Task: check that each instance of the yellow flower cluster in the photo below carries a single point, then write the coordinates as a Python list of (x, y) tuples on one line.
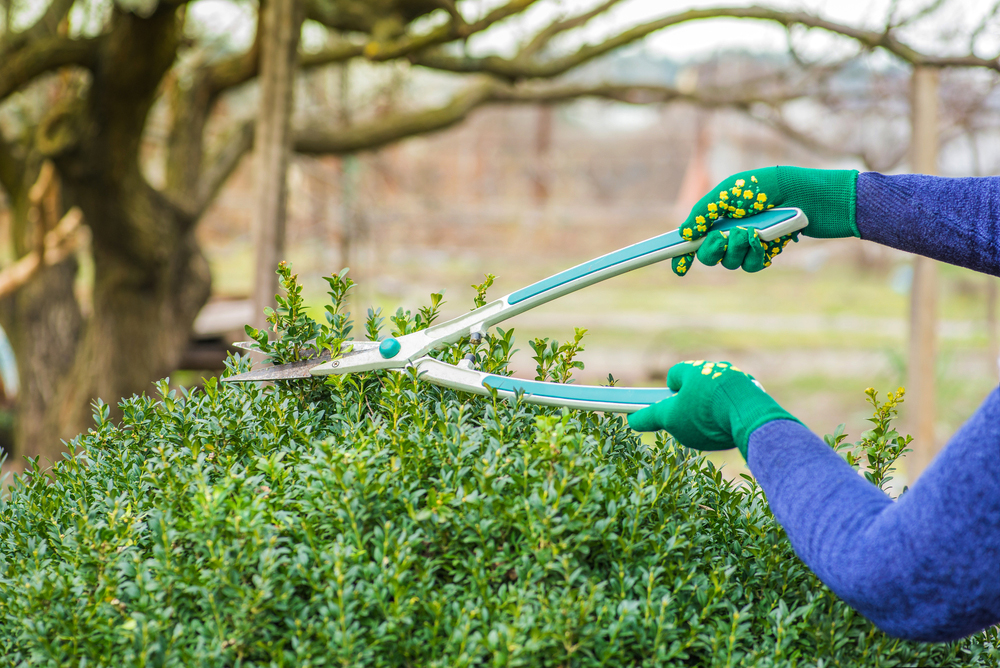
[(773, 248), (745, 197), (715, 369)]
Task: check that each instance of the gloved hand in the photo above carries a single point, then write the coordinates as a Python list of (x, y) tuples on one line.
[(716, 407), (827, 197)]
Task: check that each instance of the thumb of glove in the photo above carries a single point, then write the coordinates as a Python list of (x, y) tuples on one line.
[(646, 419)]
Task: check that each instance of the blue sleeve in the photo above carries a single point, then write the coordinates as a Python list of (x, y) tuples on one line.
[(924, 567), (953, 220)]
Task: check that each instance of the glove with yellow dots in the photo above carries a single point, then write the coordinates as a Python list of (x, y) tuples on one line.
[(716, 407), (826, 196)]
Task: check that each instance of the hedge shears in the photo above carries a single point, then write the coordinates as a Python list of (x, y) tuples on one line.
[(410, 350)]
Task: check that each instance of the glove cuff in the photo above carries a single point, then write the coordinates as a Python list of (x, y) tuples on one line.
[(828, 197), (751, 408)]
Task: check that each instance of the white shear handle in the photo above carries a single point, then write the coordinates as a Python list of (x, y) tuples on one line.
[(582, 397)]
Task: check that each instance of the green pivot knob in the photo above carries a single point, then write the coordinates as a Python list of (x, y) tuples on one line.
[(388, 348)]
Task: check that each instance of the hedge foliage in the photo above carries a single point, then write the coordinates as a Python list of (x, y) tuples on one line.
[(375, 520)]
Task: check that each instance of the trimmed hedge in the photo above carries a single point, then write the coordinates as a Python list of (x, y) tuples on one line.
[(377, 520)]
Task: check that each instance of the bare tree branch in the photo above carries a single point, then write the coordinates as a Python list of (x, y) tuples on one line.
[(242, 68), (341, 16), (542, 38), (926, 10), (777, 121), (377, 133), (225, 163), (457, 20), (524, 68), (979, 29), (393, 127), (409, 44), (46, 25), (11, 169), (44, 55)]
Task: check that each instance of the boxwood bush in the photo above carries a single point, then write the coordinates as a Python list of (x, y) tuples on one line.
[(377, 520)]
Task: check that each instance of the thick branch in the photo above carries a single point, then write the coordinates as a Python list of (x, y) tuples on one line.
[(189, 107), (241, 69), (523, 68), (222, 167), (11, 169), (46, 25), (41, 56), (392, 128), (341, 16), (375, 134)]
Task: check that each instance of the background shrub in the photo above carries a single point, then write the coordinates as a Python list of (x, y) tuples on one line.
[(373, 519)]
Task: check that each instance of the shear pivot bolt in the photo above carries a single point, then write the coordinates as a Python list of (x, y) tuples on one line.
[(389, 348)]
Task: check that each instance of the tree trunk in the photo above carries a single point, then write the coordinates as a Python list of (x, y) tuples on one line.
[(44, 333), (141, 323), (150, 279)]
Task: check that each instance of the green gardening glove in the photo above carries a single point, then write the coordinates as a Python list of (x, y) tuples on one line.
[(716, 407), (827, 197)]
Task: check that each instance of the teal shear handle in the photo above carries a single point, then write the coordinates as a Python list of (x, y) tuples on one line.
[(410, 350), (771, 224), (397, 352), (583, 397)]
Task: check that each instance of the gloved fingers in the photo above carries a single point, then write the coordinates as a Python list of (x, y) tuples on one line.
[(682, 264), (773, 248), (737, 249), (681, 371), (648, 418), (696, 224), (756, 256), (714, 247), (695, 227)]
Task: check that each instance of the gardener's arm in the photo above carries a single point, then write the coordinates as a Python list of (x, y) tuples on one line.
[(925, 567), (952, 220)]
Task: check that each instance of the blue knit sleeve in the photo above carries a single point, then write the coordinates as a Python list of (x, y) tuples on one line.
[(952, 220), (924, 567)]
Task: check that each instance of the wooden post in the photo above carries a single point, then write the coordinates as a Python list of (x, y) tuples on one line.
[(281, 26), (923, 295)]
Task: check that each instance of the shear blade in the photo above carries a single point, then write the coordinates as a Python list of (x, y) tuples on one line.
[(289, 371)]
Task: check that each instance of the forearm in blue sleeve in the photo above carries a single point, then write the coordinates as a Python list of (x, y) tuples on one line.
[(953, 220), (924, 567)]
